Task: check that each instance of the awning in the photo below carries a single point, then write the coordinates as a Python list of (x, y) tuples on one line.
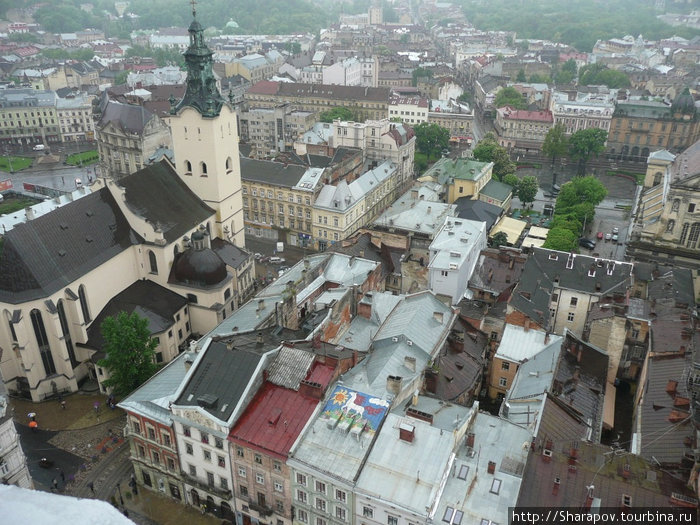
[(511, 227)]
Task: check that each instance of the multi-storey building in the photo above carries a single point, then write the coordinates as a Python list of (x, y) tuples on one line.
[(278, 200), (411, 110), (347, 72), (255, 67), (366, 102), (28, 117), (379, 140), (339, 211), (457, 118), (521, 129), (577, 111), (127, 135), (13, 464), (273, 130), (369, 75), (75, 118), (149, 429), (639, 127)]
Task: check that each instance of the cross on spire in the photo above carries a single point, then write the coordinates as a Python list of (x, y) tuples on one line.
[(194, 9)]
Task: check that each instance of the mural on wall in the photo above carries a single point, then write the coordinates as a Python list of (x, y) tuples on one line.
[(357, 408)]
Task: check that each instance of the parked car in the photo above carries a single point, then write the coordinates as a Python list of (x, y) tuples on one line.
[(258, 256), (608, 236), (614, 237), (586, 243), (616, 230), (599, 235), (276, 260)]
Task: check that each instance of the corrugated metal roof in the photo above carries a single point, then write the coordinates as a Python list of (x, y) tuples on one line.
[(518, 344), (289, 367)]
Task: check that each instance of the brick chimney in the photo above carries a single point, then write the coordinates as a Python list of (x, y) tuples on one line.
[(492, 467)]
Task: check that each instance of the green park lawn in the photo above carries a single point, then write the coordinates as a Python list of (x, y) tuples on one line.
[(18, 163), (85, 158)]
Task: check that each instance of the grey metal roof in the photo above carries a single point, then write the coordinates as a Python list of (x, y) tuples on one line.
[(290, 367), (249, 317), (231, 254), (518, 344), (409, 474), (495, 440), (152, 399), (222, 375), (131, 118), (157, 194), (416, 212), (477, 210), (496, 190), (269, 172), (50, 252)]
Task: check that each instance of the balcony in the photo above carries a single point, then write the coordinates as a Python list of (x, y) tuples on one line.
[(262, 510), (203, 485)]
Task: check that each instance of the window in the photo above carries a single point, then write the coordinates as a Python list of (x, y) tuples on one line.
[(320, 487), (302, 516), (171, 463), (368, 512), (463, 471), (340, 513), (136, 427), (555, 297), (320, 521), (259, 478), (223, 482), (505, 365), (279, 486), (258, 459), (447, 517), (320, 504), (502, 382), (186, 430), (142, 451), (301, 496), (207, 455), (691, 208), (221, 461), (156, 458), (241, 472), (243, 490), (219, 443), (205, 437), (239, 452), (188, 449), (495, 486), (392, 520), (574, 301), (152, 262), (43, 342), (301, 479), (277, 466), (444, 273), (210, 479), (570, 317), (341, 495), (193, 470), (151, 433)]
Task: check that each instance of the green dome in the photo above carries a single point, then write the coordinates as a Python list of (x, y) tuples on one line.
[(684, 103), (232, 24)]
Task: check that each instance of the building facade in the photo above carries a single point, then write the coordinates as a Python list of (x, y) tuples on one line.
[(522, 130), (28, 117), (273, 130)]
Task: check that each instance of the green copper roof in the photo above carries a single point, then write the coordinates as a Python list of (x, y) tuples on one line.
[(466, 169), (201, 92)]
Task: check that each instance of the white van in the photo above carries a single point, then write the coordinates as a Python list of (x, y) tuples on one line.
[(39, 147), (276, 260)]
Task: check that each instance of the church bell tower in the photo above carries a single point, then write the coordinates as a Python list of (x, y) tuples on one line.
[(205, 140)]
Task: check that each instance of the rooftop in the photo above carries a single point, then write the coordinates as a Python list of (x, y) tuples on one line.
[(446, 169), (454, 241)]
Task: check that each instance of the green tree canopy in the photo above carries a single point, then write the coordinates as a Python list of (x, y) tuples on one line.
[(512, 180), (418, 73), (488, 150), (555, 142), (527, 189), (585, 143), (341, 113), (599, 74), (431, 139), (499, 239), (581, 190), (521, 76), (567, 222), (561, 239), (509, 96), (130, 352)]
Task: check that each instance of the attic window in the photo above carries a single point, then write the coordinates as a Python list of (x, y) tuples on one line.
[(63, 226), (463, 471), (89, 213), (591, 272), (495, 486)]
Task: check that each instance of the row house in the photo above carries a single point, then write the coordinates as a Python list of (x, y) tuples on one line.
[(75, 118), (640, 127), (278, 200), (273, 130), (379, 140), (29, 117), (521, 129), (455, 117), (347, 72), (410, 110), (577, 111), (339, 211), (366, 102)]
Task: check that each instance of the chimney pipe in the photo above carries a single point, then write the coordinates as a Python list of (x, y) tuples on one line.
[(492, 467), (470, 439)]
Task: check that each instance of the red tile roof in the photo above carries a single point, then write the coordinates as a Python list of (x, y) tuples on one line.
[(265, 87), (276, 415), (522, 114)]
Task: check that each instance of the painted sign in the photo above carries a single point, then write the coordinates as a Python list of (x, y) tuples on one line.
[(345, 403), (5, 184)]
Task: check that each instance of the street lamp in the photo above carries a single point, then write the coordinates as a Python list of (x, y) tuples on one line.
[(119, 488)]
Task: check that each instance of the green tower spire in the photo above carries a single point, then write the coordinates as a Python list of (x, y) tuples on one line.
[(200, 92)]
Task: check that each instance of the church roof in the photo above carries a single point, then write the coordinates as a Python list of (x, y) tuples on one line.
[(43, 255), (157, 194)]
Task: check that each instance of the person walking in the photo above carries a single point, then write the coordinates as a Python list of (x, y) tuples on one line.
[(54, 484), (63, 476), (91, 486)]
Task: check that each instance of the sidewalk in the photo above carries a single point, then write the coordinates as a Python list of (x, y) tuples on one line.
[(79, 412), (162, 509)]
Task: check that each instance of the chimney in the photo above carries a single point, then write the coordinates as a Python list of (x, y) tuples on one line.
[(546, 338), (671, 387), (555, 486), (29, 212), (410, 363), (414, 194), (407, 432), (429, 209), (526, 326), (393, 384), (438, 316), (261, 304), (492, 467), (259, 338), (470, 439), (311, 389), (188, 362), (414, 398)]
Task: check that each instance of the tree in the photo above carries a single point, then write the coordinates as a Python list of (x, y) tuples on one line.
[(600, 74), (581, 190), (120, 78), (527, 189), (539, 79), (341, 113), (561, 239), (509, 96), (130, 352), (418, 73), (512, 180), (499, 239), (488, 150), (466, 97), (555, 143), (587, 142), (570, 67), (431, 139), (521, 76)]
